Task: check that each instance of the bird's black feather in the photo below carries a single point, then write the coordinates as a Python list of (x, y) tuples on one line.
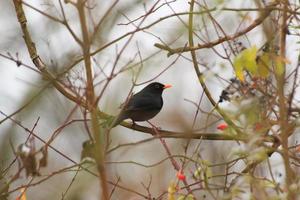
[(144, 105)]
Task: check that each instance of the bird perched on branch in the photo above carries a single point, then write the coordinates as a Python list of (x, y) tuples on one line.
[(144, 105)]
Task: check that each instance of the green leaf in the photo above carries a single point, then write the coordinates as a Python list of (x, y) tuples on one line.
[(258, 155), (251, 112), (268, 184), (197, 173), (205, 162), (4, 188), (240, 153)]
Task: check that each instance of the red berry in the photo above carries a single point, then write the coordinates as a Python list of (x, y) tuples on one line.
[(222, 126), (180, 175)]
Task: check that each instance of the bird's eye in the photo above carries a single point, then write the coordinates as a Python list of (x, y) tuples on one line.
[(156, 86)]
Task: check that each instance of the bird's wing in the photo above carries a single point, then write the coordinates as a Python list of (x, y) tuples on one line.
[(143, 102)]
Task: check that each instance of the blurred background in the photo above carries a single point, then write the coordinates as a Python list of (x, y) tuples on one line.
[(139, 163)]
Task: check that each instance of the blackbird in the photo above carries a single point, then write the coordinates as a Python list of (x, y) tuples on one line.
[(144, 105)]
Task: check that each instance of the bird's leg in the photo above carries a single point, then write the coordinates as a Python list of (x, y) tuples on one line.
[(133, 123)]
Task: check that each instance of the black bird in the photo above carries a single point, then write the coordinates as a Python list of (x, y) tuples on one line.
[(144, 105)]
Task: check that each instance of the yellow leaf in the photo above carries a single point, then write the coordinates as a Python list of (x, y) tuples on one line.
[(249, 58), (279, 67), (171, 191), (238, 68), (264, 63), (279, 64), (246, 60), (184, 197)]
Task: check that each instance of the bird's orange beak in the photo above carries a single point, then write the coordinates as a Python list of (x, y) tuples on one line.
[(167, 86)]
